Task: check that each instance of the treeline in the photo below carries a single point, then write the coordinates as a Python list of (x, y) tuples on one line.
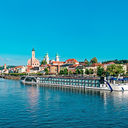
[(77, 72), (112, 70), (117, 61)]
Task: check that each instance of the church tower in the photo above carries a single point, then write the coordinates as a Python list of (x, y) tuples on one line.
[(33, 54), (5, 67), (33, 61), (47, 58), (57, 57)]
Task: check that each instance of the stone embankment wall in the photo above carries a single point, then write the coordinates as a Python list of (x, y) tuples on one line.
[(12, 77)]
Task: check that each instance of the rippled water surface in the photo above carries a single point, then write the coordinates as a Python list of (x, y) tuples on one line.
[(42, 107)]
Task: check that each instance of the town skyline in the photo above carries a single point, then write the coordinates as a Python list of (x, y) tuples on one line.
[(10, 61), (69, 66)]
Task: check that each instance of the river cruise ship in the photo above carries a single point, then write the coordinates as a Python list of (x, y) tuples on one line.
[(78, 82)]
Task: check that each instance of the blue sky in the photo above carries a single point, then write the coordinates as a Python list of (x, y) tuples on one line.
[(72, 28)]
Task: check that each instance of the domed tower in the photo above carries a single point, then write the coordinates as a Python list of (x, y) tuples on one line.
[(47, 58), (57, 57)]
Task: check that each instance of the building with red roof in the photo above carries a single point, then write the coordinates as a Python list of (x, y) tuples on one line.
[(57, 63), (72, 61)]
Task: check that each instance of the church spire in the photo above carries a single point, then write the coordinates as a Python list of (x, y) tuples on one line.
[(47, 58), (57, 57), (33, 49), (33, 53)]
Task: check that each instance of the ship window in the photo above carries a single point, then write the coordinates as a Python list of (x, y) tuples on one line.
[(97, 81), (90, 85), (80, 80), (98, 85), (90, 81), (86, 81), (94, 85), (93, 81)]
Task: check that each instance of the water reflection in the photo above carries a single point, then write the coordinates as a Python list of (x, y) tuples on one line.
[(33, 97), (40, 106), (114, 97)]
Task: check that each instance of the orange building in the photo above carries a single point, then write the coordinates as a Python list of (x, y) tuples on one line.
[(72, 61)]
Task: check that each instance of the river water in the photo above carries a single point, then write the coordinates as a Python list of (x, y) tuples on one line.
[(42, 107)]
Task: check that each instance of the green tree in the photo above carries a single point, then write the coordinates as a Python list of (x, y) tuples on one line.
[(65, 71), (100, 71), (46, 71), (86, 61), (43, 62), (115, 69), (81, 71), (91, 71), (94, 60), (126, 74), (117, 61), (61, 72), (77, 71), (70, 72), (87, 71)]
